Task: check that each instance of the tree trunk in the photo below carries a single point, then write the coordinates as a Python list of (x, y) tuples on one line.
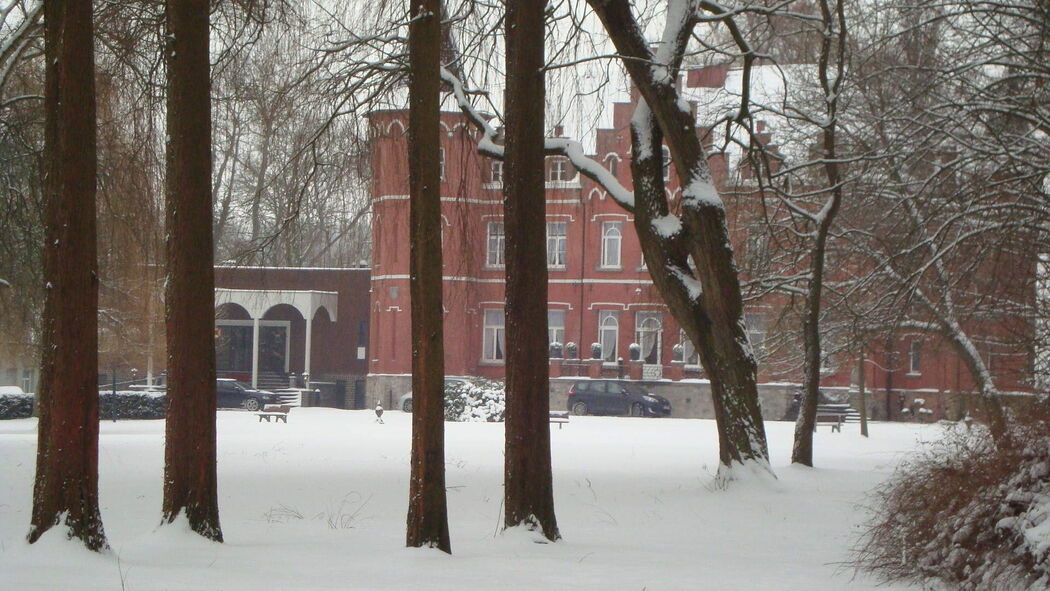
[(189, 453), (862, 386), (66, 485), (706, 302), (831, 69), (427, 510), (802, 451), (528, 488)]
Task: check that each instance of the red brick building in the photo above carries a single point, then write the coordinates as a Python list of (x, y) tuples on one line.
[(599, 289)]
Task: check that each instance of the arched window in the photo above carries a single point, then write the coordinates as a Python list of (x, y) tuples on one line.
[(648, 330), (494, 335), (666, 153), (689, 354), (608, 334), (612, 238), (612, 160)]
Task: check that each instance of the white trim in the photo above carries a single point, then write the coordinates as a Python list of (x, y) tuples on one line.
[(466, 200), (497, 280), (610, 305), (598, 216), (259, 301)]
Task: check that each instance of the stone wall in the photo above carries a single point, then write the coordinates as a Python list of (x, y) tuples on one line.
[(690, 399)]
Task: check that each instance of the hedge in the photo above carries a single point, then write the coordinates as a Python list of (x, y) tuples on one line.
[(122, 405), (16, 406)]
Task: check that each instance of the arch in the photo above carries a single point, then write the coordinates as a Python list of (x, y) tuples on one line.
[(596, 192), (400, 126), (231, 311), (649, 335)]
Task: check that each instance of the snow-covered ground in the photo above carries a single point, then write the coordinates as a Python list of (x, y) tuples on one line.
[(320, 503)]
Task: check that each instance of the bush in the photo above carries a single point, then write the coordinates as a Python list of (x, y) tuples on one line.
[(968, 513), (16, 406), (477, 401), (125, 404), (129, 404)]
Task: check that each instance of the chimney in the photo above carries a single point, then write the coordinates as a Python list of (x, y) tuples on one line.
[(709, 77)]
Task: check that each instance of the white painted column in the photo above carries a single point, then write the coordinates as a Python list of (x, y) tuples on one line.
[(309, 341), (255, 352)]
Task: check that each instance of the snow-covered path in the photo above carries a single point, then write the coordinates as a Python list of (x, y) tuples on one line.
[(320, 503)]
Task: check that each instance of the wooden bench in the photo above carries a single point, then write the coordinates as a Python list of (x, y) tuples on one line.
[(278, 412), (559, 416), (831, 414)]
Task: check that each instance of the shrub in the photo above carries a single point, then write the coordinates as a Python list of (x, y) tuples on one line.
[(968, 513), (477, 401), (16, 406), (128, 404), (125, 404)]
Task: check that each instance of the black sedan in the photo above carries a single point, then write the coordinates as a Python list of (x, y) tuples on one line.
[(233, 394), (615, 397)]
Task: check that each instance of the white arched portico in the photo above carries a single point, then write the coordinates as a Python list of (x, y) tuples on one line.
[(258, 301)]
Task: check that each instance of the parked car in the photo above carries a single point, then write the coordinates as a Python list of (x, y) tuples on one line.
[(615, 397), (233, 394), (405, 402)]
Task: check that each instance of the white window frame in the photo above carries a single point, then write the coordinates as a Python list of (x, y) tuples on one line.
[(496, 172), (915, 358), (649, 325), (441, 162), (494, 336), (612, 244), (609, 332), (755, 323), (556, 326), (688, 350), (557, 244), (559, 170), (495, 245), (666, 154)]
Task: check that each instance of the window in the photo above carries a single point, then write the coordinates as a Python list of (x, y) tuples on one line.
[(441, 162), (666, 162), (756, 330), (612, 159), (612, 236), (556, 244), (559, 170), (915, 357), (497, 172), (496, 241), (648, 329), (609, 334), (556, 326), (689, 354), (494, 337)]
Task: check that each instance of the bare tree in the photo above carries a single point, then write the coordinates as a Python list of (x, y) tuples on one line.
[(190, 481), (66, 488), (528, 487), (427, 509)]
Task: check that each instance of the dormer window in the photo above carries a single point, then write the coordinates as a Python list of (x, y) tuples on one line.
[(559, 171)]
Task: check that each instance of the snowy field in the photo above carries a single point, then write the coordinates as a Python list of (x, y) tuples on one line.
[(320, 503)]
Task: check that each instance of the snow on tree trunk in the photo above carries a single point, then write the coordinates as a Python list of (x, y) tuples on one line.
[(65, 491), (190, 483), (528, 488), (706, 302), (427, 509)]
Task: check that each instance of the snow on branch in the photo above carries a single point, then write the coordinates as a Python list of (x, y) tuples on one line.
[(571, 149)]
